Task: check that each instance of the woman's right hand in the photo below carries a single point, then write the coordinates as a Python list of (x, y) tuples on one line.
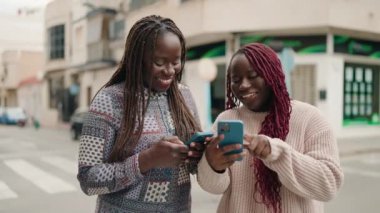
[(168, 152), (216, 156)]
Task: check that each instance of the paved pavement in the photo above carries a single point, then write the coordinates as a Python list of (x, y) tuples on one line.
[(51, 151), (359, 145)]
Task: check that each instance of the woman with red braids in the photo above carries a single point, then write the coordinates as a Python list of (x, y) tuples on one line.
[(291, 163)]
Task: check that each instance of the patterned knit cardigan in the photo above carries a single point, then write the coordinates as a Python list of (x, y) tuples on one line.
[(120, 186)]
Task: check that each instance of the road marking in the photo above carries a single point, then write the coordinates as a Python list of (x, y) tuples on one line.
[(6, 192), (361, 172), (68, 166), (43, 180)]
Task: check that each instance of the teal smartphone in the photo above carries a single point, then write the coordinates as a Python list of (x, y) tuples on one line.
[(233, 133), (199, 137)]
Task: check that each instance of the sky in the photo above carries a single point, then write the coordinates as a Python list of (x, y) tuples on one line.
[(11, 7), (25, 30)]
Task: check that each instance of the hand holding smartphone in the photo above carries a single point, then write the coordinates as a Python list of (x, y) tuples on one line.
[(233, 133), (199, 137)]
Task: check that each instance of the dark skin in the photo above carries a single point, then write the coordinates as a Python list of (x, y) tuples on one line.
[(162, 67), (216, 156), (251, 90), (164, 64)]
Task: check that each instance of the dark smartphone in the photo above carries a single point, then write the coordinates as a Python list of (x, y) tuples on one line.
[(233, 133), (199, 137)]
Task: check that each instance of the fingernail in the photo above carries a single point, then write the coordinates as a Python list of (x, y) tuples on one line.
[(192, 144), (190, 153)]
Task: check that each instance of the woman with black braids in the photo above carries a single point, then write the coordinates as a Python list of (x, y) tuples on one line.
[(131, 152), (291, 162)]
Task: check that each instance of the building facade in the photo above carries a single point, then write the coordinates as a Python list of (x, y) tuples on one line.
[(58, 52), (330, 51), (82, 47), (18, 65)]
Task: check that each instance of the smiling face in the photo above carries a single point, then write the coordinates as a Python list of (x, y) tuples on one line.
[(247, 86), (164, 63)]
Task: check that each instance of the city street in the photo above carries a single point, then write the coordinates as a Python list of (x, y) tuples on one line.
[(38, 175)]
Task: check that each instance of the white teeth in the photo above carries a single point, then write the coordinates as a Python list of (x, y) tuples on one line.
[(165, 81), (248, 95)]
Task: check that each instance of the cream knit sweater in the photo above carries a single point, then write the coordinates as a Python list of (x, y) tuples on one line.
[(307, 164)]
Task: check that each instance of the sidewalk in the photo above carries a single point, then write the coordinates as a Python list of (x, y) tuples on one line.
[(354, 140), (359, 145)]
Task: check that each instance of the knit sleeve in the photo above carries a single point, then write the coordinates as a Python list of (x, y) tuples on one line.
[(95, 175), (208, 179), (315, 173), (211, 181)]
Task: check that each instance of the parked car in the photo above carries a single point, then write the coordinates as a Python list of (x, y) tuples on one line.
[(76, 122), (13, 116)]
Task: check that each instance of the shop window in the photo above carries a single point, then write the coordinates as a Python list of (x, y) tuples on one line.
[(361, 94), (212, 50)]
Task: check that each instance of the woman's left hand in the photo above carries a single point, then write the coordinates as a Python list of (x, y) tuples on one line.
[(257, 145)]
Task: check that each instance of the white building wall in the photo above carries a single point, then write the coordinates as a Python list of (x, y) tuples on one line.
[(95, 80), (79, 33), (49, 116), (79, 48), (362, 15), (216, 16), (30, 98), (200, 90)]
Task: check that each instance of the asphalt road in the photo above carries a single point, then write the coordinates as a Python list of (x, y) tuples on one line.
[(38, 175)]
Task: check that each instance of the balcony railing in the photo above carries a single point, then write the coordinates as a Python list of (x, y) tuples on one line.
[(99, 51)]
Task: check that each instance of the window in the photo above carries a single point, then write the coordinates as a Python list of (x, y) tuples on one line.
[(57, 42), (117, 29), (361, 94)]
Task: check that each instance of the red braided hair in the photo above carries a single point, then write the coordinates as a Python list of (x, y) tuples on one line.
[(276, 124)]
